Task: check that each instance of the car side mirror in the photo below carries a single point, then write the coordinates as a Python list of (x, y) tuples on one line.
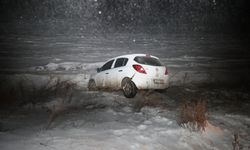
[(98, 69)]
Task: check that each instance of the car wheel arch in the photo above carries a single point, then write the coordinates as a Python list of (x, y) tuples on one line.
[(124, 79)]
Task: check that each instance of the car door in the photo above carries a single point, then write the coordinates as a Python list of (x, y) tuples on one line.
[(103, 77), (118, 72)]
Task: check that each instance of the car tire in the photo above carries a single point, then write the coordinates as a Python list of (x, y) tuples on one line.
[(92, 85), (129, 88)]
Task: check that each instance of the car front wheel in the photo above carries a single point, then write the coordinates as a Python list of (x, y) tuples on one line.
[(92, 85), (129, 88)]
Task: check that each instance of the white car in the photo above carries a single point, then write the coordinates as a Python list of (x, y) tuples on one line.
[(130, 73)]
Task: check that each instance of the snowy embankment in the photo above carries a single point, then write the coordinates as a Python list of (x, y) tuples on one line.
[(106, 120), (100, 120)]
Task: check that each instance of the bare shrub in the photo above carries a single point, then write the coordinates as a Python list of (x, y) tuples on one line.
[(193, 116), (12, 95), (26, 91), (8, 97), (185, 78), (146, 98), (236, 142), (55, 110), (54, 87), (63, 91), (61, 87)]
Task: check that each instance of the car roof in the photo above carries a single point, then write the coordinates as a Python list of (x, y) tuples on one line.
[(132, 56)]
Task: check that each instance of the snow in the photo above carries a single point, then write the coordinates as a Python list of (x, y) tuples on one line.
[(107, 120), (67, 66)]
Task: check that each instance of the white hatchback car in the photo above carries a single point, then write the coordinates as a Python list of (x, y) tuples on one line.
[(130, 73)]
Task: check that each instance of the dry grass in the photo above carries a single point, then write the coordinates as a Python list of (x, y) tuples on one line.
[(193, 116), (55, 93), (236, 143), (147, 98), (25, 91)]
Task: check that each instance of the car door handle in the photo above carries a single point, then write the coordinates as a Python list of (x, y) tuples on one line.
[(106, 73), (119, 70)]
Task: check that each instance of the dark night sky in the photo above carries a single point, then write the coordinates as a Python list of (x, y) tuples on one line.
[(178, 15)]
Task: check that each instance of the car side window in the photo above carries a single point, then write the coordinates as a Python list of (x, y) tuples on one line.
[(107, 66), (121, 62)]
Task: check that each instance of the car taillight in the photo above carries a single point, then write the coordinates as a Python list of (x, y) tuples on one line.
[(139, 68), (166, 71)]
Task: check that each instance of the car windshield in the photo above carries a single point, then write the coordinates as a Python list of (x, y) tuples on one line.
[(148, 61)]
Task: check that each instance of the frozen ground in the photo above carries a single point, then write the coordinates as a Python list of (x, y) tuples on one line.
[(106, 120)]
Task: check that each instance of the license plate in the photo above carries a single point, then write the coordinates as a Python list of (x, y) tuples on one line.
[(158, 81)]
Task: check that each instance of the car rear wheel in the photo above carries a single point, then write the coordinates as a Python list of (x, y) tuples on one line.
[(92, 85), (129, 88)]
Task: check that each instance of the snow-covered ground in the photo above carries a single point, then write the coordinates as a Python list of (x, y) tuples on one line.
[(107, 120)]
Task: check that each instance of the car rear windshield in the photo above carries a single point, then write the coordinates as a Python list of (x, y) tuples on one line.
[(148, 61)]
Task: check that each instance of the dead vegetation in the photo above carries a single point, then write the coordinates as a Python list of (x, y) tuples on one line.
[(26, 91), (56, 110), (193, 115), (236, 142), (147, 98)]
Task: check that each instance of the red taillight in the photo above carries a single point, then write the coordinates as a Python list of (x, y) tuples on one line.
[(166, 71), (139, 68)]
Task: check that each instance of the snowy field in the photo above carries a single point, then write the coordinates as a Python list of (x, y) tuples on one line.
[(106, 120)]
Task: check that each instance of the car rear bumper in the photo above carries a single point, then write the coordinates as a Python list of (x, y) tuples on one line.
[(143, 82)]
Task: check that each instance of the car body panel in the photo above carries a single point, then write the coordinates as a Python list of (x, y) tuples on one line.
[(154, 78)]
